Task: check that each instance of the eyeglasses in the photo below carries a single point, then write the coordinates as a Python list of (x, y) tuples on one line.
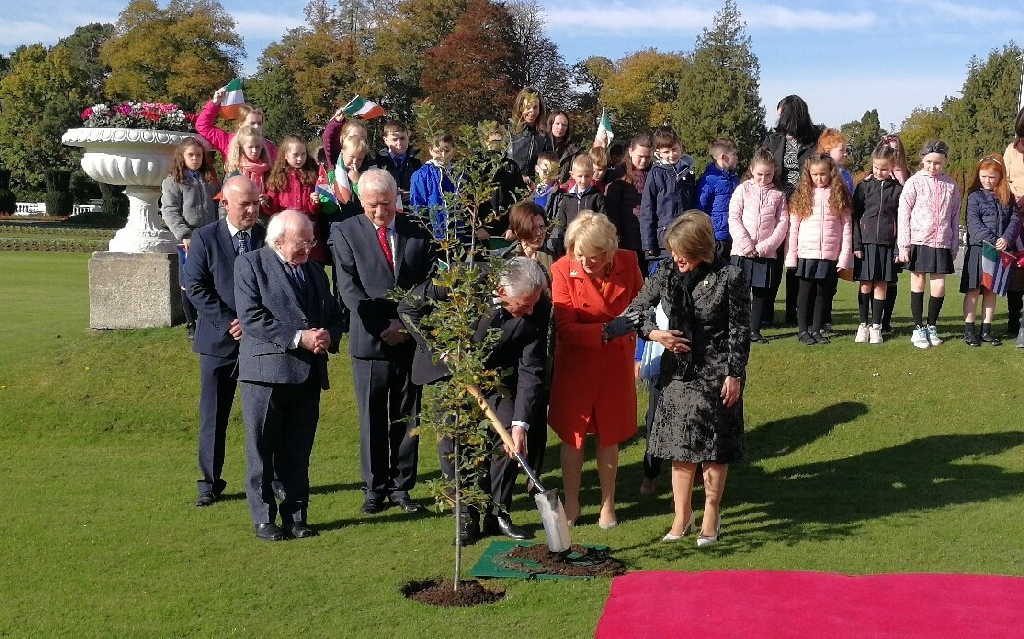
[(304, 243)]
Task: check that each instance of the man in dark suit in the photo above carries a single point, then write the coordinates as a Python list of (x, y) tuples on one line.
[(374, 254), (290, 321), (521, 314), (209, 281)]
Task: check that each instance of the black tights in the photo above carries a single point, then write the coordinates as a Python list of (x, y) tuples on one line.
[(820, 290), (760, 303), (1014, 302)]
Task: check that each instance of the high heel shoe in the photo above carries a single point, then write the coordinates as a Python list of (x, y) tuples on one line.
[(689, 526), (704, 541)]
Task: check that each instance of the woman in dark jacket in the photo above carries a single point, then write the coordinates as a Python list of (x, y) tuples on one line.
[(529, 119), (560, 141), (699, 417), (792, 142), (625, 191)]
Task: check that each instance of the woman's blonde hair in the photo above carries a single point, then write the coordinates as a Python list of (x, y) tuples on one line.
[(691, 236), (235, 154), (591, 230)]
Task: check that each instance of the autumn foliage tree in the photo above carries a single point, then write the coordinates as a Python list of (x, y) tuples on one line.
[(472, 74), (642, 90), (180, 54)]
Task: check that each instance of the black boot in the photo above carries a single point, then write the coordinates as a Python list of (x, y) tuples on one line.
[(971, 335), (469, 529), (987, 336)]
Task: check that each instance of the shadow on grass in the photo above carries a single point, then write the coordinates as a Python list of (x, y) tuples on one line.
[(829, 499)]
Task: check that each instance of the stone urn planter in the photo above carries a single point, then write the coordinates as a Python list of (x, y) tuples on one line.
[(139, 159), (134, 284)]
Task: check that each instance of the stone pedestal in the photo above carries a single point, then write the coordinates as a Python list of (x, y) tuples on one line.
[(134, 290)]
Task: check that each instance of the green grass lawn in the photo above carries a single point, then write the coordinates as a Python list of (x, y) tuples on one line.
[(862, 459)]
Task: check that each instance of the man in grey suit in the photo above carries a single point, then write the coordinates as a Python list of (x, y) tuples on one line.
[(209, 282), (289, 321), (374, 254)]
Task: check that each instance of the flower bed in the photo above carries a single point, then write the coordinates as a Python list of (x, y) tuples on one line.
[(139, 115)]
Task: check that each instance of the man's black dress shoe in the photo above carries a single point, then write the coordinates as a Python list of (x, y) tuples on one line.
[(373, 504), (502, 525), (205, 499), (469, 531), (300, 530), (406, 504), (269, 532), (218, 487)]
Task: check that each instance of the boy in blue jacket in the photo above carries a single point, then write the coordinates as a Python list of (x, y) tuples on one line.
[(668, 191), (715, 189), (431, 181)]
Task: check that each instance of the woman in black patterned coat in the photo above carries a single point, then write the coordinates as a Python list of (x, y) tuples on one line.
[(699, 418)]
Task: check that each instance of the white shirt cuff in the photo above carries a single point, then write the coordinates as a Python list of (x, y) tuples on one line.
[(522, 425), (296, 340)]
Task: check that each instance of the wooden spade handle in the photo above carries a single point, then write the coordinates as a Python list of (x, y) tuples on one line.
[(491, 415)]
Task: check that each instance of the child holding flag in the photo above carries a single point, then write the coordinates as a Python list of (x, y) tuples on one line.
[(228, 102), (990, 208)]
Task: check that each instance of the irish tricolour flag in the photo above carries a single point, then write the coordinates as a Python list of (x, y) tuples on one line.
[(995, 268), (363, 109), (604, 135), (233, 99)]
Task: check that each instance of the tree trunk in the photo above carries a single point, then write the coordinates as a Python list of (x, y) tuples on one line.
[(458, 516)]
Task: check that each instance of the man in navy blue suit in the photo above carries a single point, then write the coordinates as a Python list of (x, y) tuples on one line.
[(290, 321), (209, 281), (374, 254)]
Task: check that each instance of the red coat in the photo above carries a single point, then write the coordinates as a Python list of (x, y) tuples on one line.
[(593, 390), (296, 196)]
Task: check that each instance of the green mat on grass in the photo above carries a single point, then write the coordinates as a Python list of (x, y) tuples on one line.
[(496, 564)]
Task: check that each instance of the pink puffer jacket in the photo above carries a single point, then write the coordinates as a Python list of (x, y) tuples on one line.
[(758, 219), (929, 213), (821, 235)]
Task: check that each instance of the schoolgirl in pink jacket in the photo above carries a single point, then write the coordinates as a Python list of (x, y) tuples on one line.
[(758, 223), (928, 237), (820, 242)]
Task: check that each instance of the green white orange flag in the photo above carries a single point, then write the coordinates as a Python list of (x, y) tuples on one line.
[(233, 99), (363, 109), (604, 135)]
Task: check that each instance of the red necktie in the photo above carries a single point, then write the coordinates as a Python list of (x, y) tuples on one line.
[(385, 246)]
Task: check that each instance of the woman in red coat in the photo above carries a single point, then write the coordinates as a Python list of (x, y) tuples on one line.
[(593, 389)]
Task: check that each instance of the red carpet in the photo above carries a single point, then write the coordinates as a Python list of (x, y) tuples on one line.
[(778, 604)]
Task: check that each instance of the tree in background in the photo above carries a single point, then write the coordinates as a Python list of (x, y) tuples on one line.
[(391, 71), (862, 136), (541, 64), (273, 90), (180, 54), (720, 92), (923, 125), (642, 90), (981, 121), (42, 96), (474, 73), (589, 76)]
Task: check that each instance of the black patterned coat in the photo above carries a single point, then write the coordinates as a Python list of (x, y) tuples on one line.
[(691, 423)]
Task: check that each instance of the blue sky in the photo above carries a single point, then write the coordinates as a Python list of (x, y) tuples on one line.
[(843, 57)]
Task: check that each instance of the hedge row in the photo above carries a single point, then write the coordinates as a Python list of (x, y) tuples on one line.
[(30, 230), (52, 245)]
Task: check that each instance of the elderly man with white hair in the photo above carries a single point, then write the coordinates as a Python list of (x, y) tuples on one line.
[(521, 311), (374, 254), (290, 321)]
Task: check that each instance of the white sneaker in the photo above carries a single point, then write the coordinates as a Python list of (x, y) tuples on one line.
[(875, 334), (933, 336), (862, 334), (920, 337)]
